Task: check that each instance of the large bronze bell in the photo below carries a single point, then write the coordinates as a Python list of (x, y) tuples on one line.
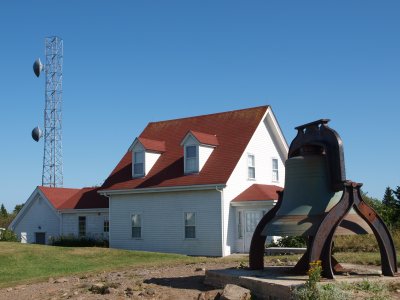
[(307, 199), (318, 203)]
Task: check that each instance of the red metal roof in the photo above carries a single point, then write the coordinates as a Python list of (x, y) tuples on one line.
[(204, 138), (234, 130), (259, 192), (152, 145), (65, 198)]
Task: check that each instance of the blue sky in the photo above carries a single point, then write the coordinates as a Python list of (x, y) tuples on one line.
[(127, 63)]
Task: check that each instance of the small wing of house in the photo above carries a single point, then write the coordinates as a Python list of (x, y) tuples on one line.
[(51, 212), (39, 219)]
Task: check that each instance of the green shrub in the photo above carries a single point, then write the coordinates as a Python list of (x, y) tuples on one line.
[(8, 236), (73, 241), (290, 241)]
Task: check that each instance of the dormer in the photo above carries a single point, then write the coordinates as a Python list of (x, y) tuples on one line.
[(145, 153), (197, 148)]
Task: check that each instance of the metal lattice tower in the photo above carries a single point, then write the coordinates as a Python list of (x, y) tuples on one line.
[(52, 175)]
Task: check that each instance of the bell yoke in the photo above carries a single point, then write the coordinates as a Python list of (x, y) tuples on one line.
[(318, 203)]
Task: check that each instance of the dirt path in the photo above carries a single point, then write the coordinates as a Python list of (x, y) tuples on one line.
[(177, 282)]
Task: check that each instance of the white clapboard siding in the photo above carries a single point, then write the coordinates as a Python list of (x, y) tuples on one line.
[(264, 149), (163, 222), (94, 224), (40, 216)]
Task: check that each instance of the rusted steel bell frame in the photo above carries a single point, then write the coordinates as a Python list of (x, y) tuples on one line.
[(319, 247)]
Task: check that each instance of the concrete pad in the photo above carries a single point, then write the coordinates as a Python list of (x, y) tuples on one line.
[(276, 282)]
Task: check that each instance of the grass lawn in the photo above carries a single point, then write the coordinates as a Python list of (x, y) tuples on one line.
[(24, 263)]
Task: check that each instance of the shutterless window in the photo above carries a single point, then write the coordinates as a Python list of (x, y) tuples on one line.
[(82, 226), (136, 226), (191, 159), (106, 225), (190, 225), (275, 170), (138, 166), (240, 225), (251, 166)]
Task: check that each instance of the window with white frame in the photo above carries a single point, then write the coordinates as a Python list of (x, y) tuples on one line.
[(106, 225), (138, 163), (82, 226), (191, 161), (275, 170), (136, 226), (240, 225), (251, 166), (190, 225)]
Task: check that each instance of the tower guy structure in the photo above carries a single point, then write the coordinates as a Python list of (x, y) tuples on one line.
[(52, 175)]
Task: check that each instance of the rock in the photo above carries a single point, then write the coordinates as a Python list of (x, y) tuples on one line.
[(76, 293), (99, 288), (397, 291), (64, 295), (9, 289), (51, 280), (61, 280), (199, 269), (235, 292), (209, 295), (150, 291)]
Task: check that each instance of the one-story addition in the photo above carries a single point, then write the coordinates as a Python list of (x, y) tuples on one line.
[(195, 186)]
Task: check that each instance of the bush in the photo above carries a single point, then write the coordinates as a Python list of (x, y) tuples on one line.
[(73, 241), (290, 241), (8, 236)]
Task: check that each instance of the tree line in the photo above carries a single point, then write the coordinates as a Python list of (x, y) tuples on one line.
[(6, 217), (389, 208)]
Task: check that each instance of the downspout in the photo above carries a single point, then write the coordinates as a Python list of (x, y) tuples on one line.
[(222, 220)]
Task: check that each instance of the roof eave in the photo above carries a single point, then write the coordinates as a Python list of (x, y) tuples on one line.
[(203, 187)]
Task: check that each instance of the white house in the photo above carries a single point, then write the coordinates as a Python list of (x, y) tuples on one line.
[(197, 185), (52, 212)]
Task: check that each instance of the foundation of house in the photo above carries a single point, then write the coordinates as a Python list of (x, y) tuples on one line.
[(276, 282)]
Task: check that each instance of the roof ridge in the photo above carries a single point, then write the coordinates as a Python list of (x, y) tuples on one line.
[(211, 114)]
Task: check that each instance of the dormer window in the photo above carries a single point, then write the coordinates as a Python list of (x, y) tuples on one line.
[(145, 153), (197, 148), (191, 159), (138, 163)]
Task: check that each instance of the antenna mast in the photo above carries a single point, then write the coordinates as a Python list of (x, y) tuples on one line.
[(52, 175)]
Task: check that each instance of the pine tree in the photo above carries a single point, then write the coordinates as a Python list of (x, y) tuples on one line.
[(388, 198), (3, 211)]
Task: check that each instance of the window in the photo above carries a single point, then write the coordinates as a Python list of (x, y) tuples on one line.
[(82, 226), (191, 159), (275, 171), (138, 163), (106, 226), (136, 226), (251, 166), (190, 225), (240, 225)]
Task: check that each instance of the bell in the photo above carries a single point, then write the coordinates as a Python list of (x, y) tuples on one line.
[(307, 199)]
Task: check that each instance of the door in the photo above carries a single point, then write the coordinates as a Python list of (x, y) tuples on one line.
[(40, 238), (251, 219)]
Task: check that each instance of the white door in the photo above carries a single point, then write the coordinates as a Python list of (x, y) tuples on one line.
[(24, 239), (251, 219)]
